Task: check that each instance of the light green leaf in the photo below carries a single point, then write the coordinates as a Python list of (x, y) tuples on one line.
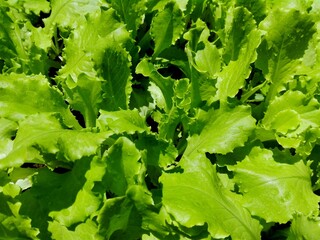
[(239, 24), (131, 12), (36, 6), (222, 131), (7, 131), (166, 27), (28, 6), (194, 197), (87, 230), (166, 85), (75, 9), (50, 192), (6, 146), (298, 103), (256, 7), (21, 96), (117, 75), (303, 227), (290, 116), (127, 217), (79, 210), (287, 35), (78, 77), (12, 224), (208, 59), (124, 167), (44, 133), (300, 5), (285, 121), (85, 96), (240, 50), (129, 121), (87, 43), (202, 86), (19, 50), (119, 219), (259, 176), (7, 128)]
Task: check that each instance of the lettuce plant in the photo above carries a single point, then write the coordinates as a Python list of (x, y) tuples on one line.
[(170, 119)]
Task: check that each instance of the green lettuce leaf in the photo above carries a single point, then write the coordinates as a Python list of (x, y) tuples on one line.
[(287, 35), (200, 70), (129, 121), (117, 85), (46, 134), (128, 217), (13, 225), (7, 132), (259, 177), (36, 6), (302, 6), (52, 192), (124, 167), (79, 77), (164, 84), (292, 112), (303, 227), (87, 230), (22, 96), (256, 7), (239, 53), (76, 9), (222, 131), (131, 13), (119, 219), (18, 41), (194, 197), (294, 118), (166, 27)]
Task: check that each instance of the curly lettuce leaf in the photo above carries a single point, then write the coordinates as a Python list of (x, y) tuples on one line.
[(51, 192), (13, 225), (304, 227), (239, 53), (194, 197), (24, 95), (259, 177), (86, 230), (222, 131), (204, 61), (129, 216), (79, 77), (75, 9), (287, 35), (41, 134), (8, 130), (79, 212), (123, 121), (131, 13), (18, 44), (124, 167), (116, 75), (163, 84), (293, 117), (166, 27)]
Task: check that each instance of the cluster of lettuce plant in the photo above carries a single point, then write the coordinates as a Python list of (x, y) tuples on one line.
[(159, 119)]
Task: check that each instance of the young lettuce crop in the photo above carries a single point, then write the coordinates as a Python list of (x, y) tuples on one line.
[(170, 119)]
